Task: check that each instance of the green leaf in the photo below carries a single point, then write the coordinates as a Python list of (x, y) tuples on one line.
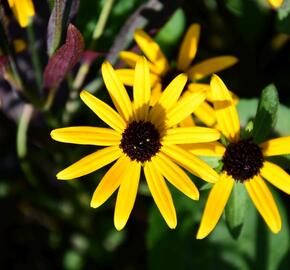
[(172, 31), (266, 113), (236, 209)]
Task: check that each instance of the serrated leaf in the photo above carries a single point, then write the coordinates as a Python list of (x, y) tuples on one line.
[(236, 208), (64, 59), (266, 115)]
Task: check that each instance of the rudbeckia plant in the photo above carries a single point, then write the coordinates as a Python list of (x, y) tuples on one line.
[(140, 137), (243, 161)]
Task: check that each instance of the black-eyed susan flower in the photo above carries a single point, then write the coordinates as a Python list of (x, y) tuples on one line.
[(275, 3), (162, 71), (244, 162), (23, 11), (140, 136)]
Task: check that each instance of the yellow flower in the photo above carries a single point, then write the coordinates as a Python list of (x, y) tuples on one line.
[(23, 10), (243, 161), (275, 3), (140, 136), (162, 72)]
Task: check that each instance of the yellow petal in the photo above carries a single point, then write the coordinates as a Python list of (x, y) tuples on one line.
[(187, 122), (23, 11), (215, 204), (226, 112), (87, 135), (276, 3), (167, 99), (206, 114), (152, 51), (160, 194), (155, 94), (184, 107), (196, 87), (210, 149), (264, 202), (274, 147), (90, 163), (172, 92), (141, 89), (127, 195), (110, 182), (188, 48), (190, 163), (184, 135), (175, 175), (104, 111), (126, 76), (276, 176), (210, 66), (117, 91), (131, 59)]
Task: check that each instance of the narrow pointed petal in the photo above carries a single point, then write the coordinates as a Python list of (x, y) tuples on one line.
[(210, 149), (87, 136), (226, 112), (90, 163), (160, 194), (104, 111), (172, 92), (190, 163), (274, 147), (152, 50), (142, 89), (206, 114), (264, 202), (127, 195), (168, 98), (184, 107), (176, 176), (215, 204), (276, 176), (184, 135), (110, 182), (188, 48), (117, 91), (155, 94), (210, 66), (131, 59), (126, 76)]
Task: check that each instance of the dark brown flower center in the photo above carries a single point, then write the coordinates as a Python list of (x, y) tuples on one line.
[(243, 160), (140, 141)]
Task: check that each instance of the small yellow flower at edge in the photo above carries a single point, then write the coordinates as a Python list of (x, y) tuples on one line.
[(275, 3), (140, 136), (243, 161), (23, 11)]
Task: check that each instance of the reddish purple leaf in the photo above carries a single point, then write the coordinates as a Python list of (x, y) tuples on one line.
[(64, 59)]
